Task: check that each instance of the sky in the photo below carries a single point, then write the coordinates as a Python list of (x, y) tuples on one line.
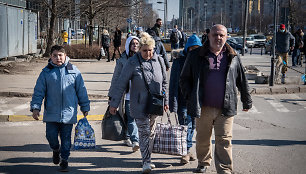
[(173, 8)]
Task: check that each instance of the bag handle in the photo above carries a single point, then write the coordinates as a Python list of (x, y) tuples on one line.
[(168, 117)]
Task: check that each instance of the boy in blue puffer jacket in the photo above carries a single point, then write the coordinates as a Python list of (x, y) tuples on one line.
[(61, 86), (177, 103)]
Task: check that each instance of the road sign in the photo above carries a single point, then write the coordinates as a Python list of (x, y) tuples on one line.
[(129, 20)]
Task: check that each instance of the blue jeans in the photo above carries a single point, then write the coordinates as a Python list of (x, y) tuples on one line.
[(53, 129), (174, 45), (185, 119), (132, 132), (295, 56)]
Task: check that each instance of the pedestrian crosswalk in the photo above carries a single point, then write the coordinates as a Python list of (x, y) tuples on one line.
[(283, 103)]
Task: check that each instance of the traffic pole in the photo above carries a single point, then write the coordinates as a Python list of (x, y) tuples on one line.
[(271, 80)]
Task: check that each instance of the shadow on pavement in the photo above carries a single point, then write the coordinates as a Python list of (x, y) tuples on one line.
[(266, 142), (27, 148), (109, 165), (96, 73), (106, 81)]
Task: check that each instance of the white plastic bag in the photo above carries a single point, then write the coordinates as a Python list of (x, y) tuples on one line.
[(102, 52)]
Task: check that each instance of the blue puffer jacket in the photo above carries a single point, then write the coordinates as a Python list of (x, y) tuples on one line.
[(175, 95), (63, 89)]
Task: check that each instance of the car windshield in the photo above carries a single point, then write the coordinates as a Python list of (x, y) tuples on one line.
[(239, 39), (260, 37), (232, 40), (249, 39)]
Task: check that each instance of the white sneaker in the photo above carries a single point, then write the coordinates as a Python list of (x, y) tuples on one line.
[(146, 168), (152, 166), (128, 142), (135, 146)]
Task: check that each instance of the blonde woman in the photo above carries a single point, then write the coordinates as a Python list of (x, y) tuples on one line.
[(105, 43), (155, 75)]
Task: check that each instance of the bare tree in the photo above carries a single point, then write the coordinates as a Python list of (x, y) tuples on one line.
[(91, 9)]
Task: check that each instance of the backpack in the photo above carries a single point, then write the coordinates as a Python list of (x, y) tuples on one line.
[(174, 38)]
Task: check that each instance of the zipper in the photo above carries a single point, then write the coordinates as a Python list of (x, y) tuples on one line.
[(61, 75)]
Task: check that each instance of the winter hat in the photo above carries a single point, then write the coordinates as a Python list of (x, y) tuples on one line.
[(282, 26), (192, 40)]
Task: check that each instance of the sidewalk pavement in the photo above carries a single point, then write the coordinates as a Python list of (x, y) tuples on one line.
[(98, 74)]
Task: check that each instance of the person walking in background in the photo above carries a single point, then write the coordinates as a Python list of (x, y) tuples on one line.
[(129, 34), (177, 103), (117, 42), (183, 40), (159, 48), (205, 36), (209, 80), (284, 43), (65, 37), (105, 43), (138, 32), (175, 37), (157, 26), (299, 43), (144, 65), (61, 99), (131, 47)]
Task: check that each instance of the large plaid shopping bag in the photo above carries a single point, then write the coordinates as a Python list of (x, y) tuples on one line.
[(170, 139)]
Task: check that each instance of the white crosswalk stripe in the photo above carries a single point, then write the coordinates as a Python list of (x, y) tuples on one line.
[(278, 106)]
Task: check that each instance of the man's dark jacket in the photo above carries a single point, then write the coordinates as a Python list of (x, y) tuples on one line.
[(156, 28), (194, 75), (160, 49)]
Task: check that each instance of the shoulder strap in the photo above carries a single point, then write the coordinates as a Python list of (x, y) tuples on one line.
[(144, 77)]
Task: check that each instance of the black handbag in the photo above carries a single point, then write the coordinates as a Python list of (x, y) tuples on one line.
[(155, 103), (113, 127)]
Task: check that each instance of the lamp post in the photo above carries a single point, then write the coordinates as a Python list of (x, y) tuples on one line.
[(271, 80), (205, 13), (165, 15)]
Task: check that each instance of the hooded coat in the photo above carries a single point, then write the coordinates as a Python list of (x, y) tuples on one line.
[(120, 63), (155, 75), (175, 94), (62, 88)]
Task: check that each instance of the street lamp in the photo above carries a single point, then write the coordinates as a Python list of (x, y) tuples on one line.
[(271, 80), (205, 13), (165, 15)]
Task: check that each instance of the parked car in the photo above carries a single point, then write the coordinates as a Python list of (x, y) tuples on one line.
[(260, 40), (250, 41), (239, 40), (167, 44), (238, 47)]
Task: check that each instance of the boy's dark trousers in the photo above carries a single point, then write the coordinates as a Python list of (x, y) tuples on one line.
[(53, 129)]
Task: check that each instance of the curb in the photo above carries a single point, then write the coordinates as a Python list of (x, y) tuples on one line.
[(24, 94), (18, 118), (278, 90)]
